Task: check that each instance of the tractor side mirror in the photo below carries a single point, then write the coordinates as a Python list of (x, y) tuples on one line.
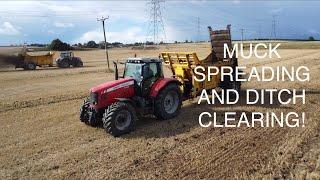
[(116, 74)]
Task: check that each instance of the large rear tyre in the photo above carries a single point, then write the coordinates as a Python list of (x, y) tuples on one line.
[(168, 102), (30, 66), (119, 118), (64, 64), (79, 64)]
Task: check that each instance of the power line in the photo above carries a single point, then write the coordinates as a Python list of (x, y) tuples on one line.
[(102, 19), (156, 19)]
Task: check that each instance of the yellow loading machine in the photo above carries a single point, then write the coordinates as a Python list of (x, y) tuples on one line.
[(182, 65)]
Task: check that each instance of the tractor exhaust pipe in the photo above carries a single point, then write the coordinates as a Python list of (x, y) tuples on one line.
[(116, 74)]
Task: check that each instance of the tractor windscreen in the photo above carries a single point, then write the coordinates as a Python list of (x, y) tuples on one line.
[(63, 55), (133, 70)]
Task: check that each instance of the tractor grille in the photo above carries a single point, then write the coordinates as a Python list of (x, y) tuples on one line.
[(93, 98)]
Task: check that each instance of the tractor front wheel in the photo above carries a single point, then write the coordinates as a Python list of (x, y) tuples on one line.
[(88, 115), (119, 118), (168, 102)]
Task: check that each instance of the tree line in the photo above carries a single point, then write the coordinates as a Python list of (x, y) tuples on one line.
[(58, 45)]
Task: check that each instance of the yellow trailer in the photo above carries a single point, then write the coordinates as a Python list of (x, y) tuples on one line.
[(31, 61)]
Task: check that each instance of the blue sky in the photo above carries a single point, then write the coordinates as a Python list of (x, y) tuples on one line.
[(76, 21)]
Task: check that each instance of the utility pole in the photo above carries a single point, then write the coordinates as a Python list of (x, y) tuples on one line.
[(259, 32), (198, 29), (242, 32), (155, 21), (102, 19)]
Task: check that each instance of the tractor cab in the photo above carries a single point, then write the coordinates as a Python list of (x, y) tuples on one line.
[(145, 72), (66, 54)]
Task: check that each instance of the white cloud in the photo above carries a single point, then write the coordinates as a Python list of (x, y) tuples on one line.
[(51, 32), (133, 34), (236, 1), (59, 8), (198, 2), (8, 29), (176, 34), (63, 25)]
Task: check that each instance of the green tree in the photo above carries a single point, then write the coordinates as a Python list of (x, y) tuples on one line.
[(311, 38), (92, 44), (58, 45)]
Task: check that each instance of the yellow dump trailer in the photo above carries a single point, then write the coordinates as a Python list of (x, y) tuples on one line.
[(183, 64), (31, 61)]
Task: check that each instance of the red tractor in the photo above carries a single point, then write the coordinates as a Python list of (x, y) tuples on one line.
[(68, 59), (142, 90)]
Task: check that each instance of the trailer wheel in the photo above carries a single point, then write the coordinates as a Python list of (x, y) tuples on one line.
[(168, 102), (119, 118), (30, 66)]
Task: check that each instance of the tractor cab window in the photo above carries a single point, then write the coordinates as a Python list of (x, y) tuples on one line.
[(63, 55), (154, 70), (142, 71), (133, 70), (66, 55)]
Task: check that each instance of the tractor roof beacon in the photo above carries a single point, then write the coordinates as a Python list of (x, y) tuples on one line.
[(143, 89)]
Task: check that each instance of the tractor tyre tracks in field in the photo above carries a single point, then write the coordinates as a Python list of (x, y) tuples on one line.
[(41, 101), (45, 75)]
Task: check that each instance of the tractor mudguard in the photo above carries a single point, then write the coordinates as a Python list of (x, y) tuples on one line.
[(160, 84)]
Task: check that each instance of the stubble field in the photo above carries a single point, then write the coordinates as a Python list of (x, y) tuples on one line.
[(41, 135)]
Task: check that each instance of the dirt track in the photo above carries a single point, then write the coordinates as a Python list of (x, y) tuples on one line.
[(42, 137)]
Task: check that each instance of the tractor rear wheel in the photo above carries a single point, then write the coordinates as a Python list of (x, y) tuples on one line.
[(168, 102), (30, 66), (79, 63), (119, 118), (64, 64)]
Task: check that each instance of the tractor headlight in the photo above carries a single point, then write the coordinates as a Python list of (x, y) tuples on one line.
[(94, 98)]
